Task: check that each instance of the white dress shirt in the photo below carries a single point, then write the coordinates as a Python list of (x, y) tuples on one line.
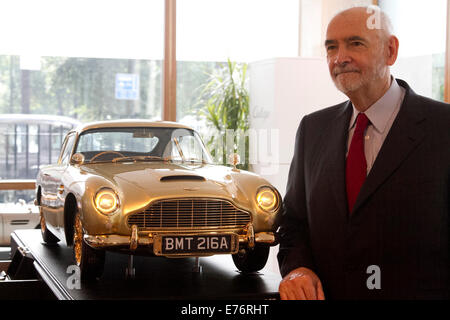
[(381, 115)]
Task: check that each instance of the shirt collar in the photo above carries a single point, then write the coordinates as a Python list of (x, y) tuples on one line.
[(381, 111)]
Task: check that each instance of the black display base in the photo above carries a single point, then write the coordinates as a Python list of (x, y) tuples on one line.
[(156, 278)]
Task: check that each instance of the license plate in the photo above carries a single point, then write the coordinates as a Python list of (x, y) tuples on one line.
[(195, 244)]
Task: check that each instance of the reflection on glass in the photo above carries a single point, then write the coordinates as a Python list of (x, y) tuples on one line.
[(142, 144)]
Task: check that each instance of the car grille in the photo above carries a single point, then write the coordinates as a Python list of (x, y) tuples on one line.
[(190, 214)]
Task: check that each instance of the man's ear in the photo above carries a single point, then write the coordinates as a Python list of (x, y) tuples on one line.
[(392, 50)]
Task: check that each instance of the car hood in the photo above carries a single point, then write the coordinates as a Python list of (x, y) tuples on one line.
[(162, 180)]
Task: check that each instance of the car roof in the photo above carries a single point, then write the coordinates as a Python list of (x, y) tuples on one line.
[(123, 123)]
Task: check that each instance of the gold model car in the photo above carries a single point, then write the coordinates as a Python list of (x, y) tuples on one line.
[(151, 188)]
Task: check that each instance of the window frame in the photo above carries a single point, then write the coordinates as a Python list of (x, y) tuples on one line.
[(64, 148), (447, 58)]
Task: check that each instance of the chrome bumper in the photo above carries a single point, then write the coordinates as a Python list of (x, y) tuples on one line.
[(133, 241)]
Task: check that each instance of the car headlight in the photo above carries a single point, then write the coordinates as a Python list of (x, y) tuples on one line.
[(267, 199), (106, 201)]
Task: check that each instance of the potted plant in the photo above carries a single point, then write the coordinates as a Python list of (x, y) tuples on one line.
[(226, 108)]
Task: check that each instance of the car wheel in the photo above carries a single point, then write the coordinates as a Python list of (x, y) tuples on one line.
[(90, 261), (251, 260), (47, 236)]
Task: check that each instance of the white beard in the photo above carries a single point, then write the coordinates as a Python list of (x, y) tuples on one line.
[(353, 81)]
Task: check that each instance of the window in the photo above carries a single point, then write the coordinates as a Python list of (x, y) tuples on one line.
[(29, 141), (119, 140), (186, 145), (141, 144), (67, 149), (421, 28), (87, 60), (90, 60), (8, 197), (211, 31)]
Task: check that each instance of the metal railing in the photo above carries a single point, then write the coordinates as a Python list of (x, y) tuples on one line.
[(29, 141)]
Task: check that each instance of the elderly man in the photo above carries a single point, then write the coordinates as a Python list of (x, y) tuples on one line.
[(366, 211)]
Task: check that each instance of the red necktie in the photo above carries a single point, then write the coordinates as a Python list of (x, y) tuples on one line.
[(356, 166)]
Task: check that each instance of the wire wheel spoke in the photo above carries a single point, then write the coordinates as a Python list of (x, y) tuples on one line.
[(77, 239)]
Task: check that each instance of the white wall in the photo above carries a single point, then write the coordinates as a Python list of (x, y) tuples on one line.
[(282, 91), (417, 71)]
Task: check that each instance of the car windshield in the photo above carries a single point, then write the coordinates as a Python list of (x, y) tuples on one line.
[(142, 144)]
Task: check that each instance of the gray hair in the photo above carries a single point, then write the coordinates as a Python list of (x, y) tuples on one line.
[(378, 19)]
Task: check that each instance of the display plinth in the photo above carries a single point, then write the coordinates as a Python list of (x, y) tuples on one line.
[(156, 278)]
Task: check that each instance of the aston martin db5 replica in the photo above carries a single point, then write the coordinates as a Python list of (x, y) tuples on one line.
[(150, 188)]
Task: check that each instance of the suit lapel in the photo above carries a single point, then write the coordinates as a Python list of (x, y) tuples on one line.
[(405, 135), (339, 135)]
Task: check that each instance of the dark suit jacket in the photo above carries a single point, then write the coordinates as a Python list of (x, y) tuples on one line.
[(400, 221)]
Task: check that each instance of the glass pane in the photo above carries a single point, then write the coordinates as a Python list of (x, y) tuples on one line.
[(8, 197), (68, 149), (214, 30), (141, 144), (421, 29), (211, 32), (119, 140), (30, 141), (85, 60)]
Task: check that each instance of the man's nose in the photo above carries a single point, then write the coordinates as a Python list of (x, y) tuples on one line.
[(342, 56)]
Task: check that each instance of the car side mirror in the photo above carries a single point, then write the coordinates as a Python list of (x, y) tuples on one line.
[(78, 159)]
